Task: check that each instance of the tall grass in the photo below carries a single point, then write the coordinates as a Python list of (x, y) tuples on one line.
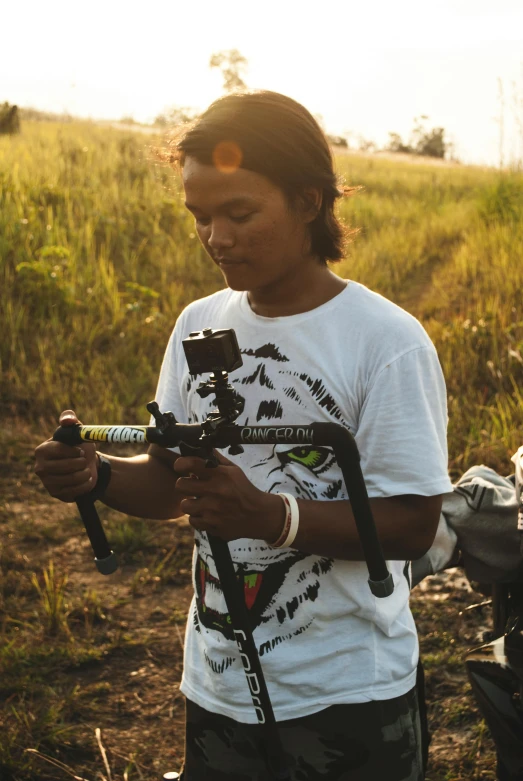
[(98, 256), (53, 599), (446, 244)]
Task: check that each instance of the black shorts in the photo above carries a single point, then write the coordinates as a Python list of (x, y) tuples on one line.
[(370, 741)]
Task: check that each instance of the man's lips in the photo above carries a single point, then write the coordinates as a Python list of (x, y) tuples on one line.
[(228, 261)]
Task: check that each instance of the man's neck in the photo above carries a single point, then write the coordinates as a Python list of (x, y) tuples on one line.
[(297, 295)]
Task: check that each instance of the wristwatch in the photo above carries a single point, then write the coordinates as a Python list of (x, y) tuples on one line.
[(104, 478)]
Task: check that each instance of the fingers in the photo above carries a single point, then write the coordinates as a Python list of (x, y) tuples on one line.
[(56, 458), (63, 473), (201, 515), (52, 451), (72, 494), (191, 465), (192, 486), (66, 471), (62, 465), (58, 483), (68, 489), (192, 506), (186, 465)]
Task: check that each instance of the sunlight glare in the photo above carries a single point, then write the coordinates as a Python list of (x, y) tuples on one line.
[(227, 156)]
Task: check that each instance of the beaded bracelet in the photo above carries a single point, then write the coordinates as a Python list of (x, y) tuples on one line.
[(291, 524)]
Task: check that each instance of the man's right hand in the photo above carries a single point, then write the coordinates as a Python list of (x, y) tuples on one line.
[(67, 471)]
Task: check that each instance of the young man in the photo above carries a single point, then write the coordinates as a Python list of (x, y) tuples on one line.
[(340, 664)]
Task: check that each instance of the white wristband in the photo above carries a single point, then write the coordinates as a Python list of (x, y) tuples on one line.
[(292, 522)]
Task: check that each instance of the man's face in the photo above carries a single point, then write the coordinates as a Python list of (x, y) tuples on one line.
[(246, 225)]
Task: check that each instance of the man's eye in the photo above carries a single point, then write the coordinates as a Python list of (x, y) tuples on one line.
[(240, 217), (202, 220)]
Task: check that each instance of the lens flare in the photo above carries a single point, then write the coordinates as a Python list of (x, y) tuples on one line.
[(227, 156)]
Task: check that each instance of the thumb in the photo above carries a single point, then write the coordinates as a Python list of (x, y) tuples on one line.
[(68, 418)]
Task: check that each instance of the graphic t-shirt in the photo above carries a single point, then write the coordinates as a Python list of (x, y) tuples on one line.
[(323, 638)]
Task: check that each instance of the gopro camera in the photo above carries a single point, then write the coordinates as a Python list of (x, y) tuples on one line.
[(212, 351)]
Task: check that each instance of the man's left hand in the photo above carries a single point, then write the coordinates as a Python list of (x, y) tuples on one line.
[(221, 500)]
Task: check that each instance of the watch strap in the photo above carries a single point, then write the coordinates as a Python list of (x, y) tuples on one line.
[(104, 478)]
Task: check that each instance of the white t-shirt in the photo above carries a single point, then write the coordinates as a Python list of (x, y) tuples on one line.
[(323, 638)]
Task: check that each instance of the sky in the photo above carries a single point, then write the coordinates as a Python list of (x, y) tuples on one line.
[(367, 68)]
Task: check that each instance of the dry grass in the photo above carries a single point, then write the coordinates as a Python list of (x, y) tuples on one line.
[(97, 258)]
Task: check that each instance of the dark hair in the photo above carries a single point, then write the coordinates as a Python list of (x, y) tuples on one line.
[(277, 137)]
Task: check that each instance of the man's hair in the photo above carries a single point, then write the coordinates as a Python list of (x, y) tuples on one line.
[(277, 137)]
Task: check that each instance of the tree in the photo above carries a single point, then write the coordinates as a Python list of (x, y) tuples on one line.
[(396, 144), (9, 119), (430, 143), (337, 141), (366, 145), (423, 141), (230, 63), (175, 115), (433, 144)]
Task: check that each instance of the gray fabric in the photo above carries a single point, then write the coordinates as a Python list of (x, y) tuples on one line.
[(443, 553), (517, 459), (480, 520), (483, 510)]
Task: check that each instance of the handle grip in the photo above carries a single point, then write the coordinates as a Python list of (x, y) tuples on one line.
[(104, 558)]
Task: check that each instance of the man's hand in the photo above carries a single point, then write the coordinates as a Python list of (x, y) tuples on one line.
[(222, 501), (66, 471)]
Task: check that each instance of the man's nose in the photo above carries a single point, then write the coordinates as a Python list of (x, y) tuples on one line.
[(221, 235)]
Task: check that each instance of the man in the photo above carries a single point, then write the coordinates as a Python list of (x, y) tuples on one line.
[(340, 664)]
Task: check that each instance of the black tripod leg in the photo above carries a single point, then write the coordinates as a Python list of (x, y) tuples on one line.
[(104, 558)]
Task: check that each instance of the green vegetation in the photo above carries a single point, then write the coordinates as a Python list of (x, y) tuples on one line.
[(98, 256), (9, 119), (97, 259), (52, 596), (445, 243), (423, 141)]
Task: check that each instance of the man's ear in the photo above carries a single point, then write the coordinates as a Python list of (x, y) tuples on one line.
[(309, 203)]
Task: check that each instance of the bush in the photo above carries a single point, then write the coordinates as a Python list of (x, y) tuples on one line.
[(430, 143), (502, 202), (396, 144), (9, 119), (41, 284), (338, 141)]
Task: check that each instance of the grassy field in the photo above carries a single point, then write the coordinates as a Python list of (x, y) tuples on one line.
[(97, 258)]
